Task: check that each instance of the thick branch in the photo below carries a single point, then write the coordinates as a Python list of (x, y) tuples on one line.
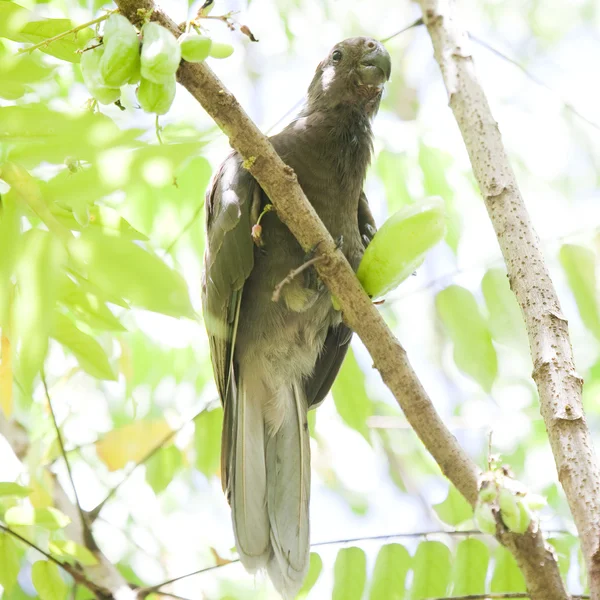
[(558, 384), (281, 185)]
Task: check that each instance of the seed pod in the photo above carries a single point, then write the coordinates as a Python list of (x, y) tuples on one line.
[(484, 518), (524, 516), (161, 53), (90, 69), (219, 50), (488, 492), (156, 97), (194, 47), (121, 56), (509, 510)]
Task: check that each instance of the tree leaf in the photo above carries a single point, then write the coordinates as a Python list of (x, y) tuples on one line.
[(314, 570), (131, 442), (579, 264), (119, 266), (47, 581), (6, 378), (10, 559), (563, 547), (454, 510), (470, 568), (207, 440), (474, 353), (73, 552), (507, 576), (9, 488), (162, 467), (506, 321), (431, 557), (350, 397), (389, 575), (350, 574), (10, 249), (47, 518)]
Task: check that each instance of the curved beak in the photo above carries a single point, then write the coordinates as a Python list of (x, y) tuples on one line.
[(376, 66)]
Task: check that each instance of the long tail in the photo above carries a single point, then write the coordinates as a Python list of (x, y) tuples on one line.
[(268, 463)]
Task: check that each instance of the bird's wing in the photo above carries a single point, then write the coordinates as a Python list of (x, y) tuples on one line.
[(228, 261), (338, 337)]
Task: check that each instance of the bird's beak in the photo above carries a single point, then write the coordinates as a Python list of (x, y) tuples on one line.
[(375, 67)]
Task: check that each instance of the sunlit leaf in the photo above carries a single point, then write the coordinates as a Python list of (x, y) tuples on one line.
[(470, 568), (88, 352), (9, 488), (350, 574), (73, 552), (10, 559), (431, 557), (162, 467), (6, 379), (474, 352), (207, 440), (389, 576), (12, 18), (314, 570), (454, 509), (579, 264), (48, 518), (47, 581), (507, 576), (563, 547), (10, 248), (121, 267), (131, 442), (350, 396), (17, 73)]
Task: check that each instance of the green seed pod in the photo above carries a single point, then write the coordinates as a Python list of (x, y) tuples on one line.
[(509, 510), (136, 74), (399, 247), (525, 516), (90, 69), (488, 492), (156, 97), (219, 50), (121, 56), (161, 53), (484, 518), (194, 47)]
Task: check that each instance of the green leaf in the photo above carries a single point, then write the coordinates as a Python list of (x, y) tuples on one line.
[(563, 547), (474, 353), (10, 248), (12, 18), (389, 575), (579, 264), (393, 169), (88, 352), (119, 266), (48, 518), (17, 73), (506, 321), (470, 568), (9, 488), (207, 440), (162, 467), (73, 552), (431, 557), (507, 576), (454, 510), (400, 246), (38, 275), (47, 581), (350, 574), (314, 570), (10, 559), (350, 396)]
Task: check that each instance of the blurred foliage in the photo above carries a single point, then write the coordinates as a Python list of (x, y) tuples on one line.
[(101, 244)]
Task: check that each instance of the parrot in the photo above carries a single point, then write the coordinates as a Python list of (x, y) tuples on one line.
[(273, 361)]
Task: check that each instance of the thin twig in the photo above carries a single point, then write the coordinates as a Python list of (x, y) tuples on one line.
[(292, 274), (418, 22), (93, 514), (45, 43), (87, 534)]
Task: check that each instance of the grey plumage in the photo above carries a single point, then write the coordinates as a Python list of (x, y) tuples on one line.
[(274, 361)]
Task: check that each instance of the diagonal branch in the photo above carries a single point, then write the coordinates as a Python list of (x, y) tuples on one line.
[(281, 185), (558, 383)]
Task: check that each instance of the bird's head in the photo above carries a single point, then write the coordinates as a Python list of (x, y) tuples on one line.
[(353, 73)]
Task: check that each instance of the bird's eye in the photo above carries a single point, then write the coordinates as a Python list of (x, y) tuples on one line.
[(336, 56)]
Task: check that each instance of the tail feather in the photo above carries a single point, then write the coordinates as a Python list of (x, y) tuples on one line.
[(269, 481), (288, 493)]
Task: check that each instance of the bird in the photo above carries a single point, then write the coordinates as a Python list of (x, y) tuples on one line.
[(273, 361)]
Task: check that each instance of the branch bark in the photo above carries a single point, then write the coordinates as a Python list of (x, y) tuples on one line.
[(281, 185), (558, 383)]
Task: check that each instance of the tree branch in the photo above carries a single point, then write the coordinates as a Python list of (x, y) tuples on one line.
[(281, 185), (558, 384)]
